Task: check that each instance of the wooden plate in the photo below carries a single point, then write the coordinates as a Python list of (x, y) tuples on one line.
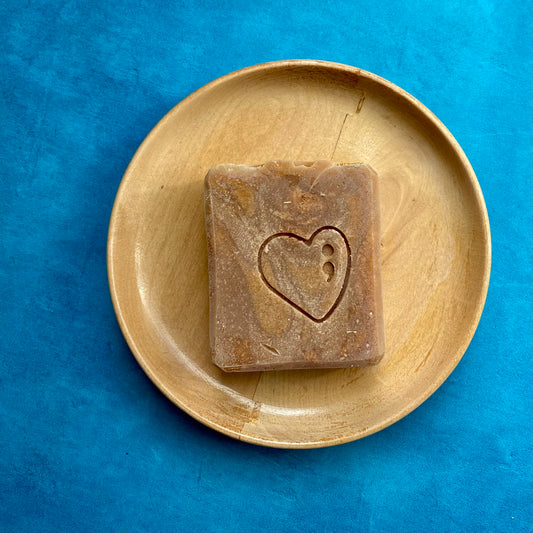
[(435, 248)]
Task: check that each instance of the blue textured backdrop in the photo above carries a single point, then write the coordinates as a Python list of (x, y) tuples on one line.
[(86, 441)]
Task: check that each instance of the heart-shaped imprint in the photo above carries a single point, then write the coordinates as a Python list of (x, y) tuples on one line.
[(310, 274)]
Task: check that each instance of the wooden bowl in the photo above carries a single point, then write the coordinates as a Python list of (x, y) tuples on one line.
[(435, 248)]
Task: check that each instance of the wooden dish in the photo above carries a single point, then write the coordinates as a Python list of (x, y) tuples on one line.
[(435, 248)]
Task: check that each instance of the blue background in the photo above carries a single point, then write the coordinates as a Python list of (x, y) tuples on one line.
[(86, 441)]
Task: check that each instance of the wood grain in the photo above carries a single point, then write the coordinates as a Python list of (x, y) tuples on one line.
[(435, 248)]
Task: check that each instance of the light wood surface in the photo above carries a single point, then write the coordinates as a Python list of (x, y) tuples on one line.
[(435, 248)]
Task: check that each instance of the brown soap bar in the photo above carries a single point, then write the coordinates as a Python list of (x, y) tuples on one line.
[(294, 266)]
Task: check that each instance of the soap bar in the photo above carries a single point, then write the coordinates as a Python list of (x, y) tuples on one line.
[(294, 266)]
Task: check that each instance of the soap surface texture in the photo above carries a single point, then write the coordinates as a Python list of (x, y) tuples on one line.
[(294, 266)]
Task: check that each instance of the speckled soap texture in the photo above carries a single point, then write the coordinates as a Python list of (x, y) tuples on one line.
[(294, 266)]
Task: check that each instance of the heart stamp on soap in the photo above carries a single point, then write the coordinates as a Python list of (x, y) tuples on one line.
[(309, 274)]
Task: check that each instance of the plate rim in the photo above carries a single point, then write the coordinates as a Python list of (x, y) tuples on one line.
[(481, 209)]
